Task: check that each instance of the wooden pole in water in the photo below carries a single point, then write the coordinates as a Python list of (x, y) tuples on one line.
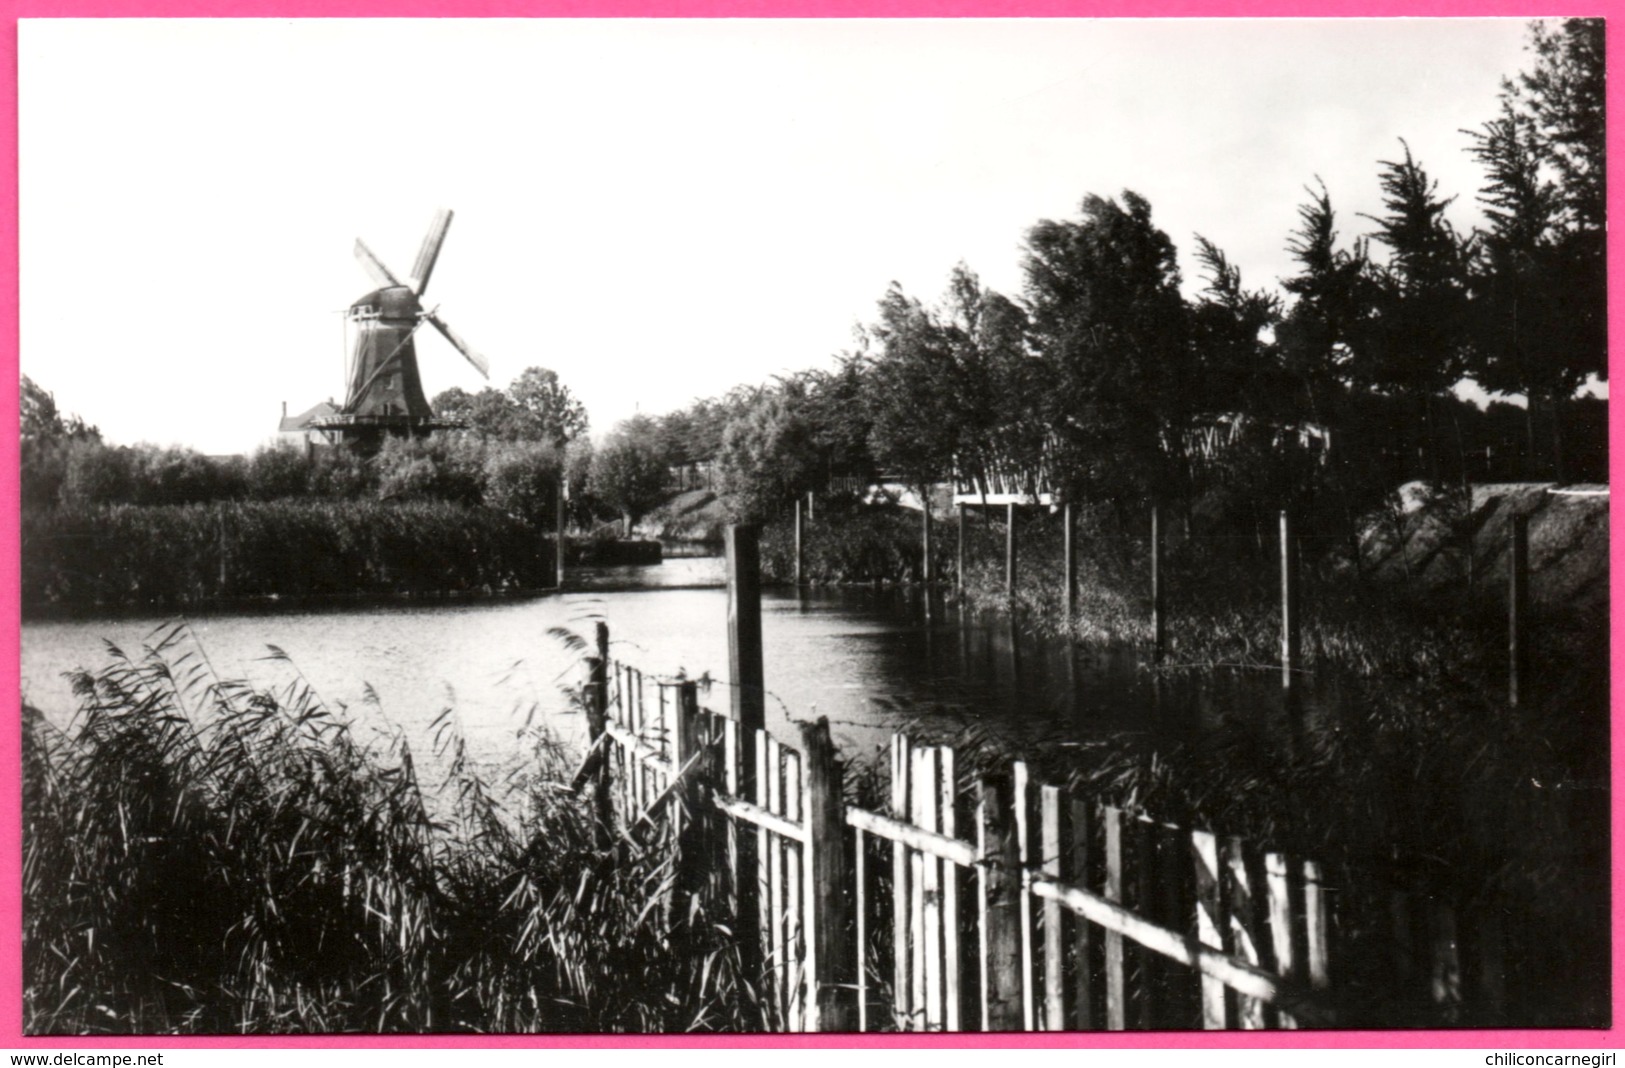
[(1010, 549), (1291, 610), (1518, 611), (959, 568), (801, 540), (558, 533), (748, 709), (925, 538), (1158, 613)]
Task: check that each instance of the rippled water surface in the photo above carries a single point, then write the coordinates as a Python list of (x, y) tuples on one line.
[(869, 661)]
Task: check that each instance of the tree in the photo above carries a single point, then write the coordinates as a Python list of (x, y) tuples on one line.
[(521, 479), (47, 441), (768, 455), (909, 392), (629, 473), (1540, 283), (1110, 325), (554, 414)]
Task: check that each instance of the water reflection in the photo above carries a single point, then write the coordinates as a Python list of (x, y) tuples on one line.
[(872, 661)]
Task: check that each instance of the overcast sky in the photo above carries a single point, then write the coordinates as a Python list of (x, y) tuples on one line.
[(656, 210)]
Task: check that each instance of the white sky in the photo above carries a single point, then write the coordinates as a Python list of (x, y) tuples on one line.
[(656, 210)]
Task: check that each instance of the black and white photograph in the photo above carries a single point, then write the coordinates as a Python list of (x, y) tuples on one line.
[(773, 526)]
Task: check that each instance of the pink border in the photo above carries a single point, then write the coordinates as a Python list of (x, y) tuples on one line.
[(10, 741)]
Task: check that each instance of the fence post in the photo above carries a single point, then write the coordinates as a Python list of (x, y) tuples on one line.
[(1291, 612), (1069, 549), (748, 708), (558, 533), (692, 817), (801, 541), (999, 892), (1010, 549), (1518, 612), (925, 540), (828, 901), (1158, 613), (597, 719), (959, 565)]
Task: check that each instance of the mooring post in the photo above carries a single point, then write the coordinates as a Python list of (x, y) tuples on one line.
[(1158, 608), (559, 497), (222, 588), (832, 963), (959, 564), (748, 708), (925, 541), (597, 723), (811, 513), (1518, 612), (1010, 549), (801, 538), (1069, 550), (1291, 611)]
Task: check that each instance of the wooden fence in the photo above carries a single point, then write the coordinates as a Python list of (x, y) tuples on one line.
[(998, 905)]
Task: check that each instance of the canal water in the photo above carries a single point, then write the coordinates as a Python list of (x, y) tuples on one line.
[(870, 661)]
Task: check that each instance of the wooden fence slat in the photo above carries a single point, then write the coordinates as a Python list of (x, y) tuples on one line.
[(1209, 923), (1243, 939), (773, 772), (1023, 804), (828, 918), (1317, 924), (1054, 947), (860, 881), (902, 999), (1141, 872), (1077, 871), (927, 793), (999, 914), (1212, 963), (738, 890), (1116, 985), (1283, 928), (920, 996), (952, 953), (797, 981)]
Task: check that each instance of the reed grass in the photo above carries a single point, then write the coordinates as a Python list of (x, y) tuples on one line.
[(204, 857)]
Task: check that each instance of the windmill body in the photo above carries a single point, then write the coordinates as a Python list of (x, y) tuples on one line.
[(384, 380), (384, 394)]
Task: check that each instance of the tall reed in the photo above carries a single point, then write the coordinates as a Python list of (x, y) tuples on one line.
[(186, 555), (204, 857)]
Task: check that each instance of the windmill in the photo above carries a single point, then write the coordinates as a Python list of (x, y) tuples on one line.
[(385, 393)]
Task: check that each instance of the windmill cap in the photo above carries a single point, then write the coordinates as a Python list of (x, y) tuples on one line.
[(390, 302)]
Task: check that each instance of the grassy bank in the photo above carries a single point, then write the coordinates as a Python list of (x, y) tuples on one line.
[(116, 556), (199, 857), (855, 544)]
